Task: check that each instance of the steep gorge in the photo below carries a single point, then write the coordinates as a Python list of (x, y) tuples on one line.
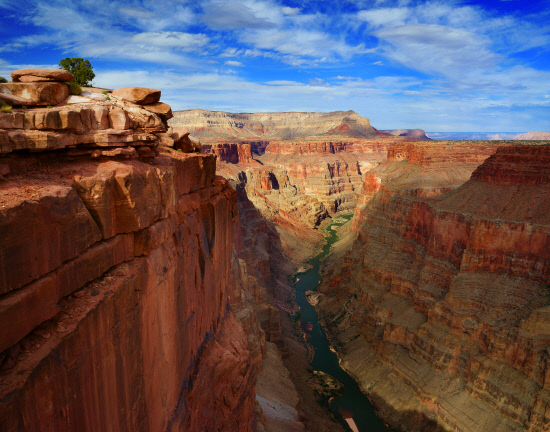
[(437, 300)]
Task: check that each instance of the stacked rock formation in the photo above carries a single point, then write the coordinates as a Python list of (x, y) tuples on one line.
[(35, 87), (439, 307), (121, 304)]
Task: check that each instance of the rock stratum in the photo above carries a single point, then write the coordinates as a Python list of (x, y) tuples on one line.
[(215, 125), (438, 300), (122, 301)]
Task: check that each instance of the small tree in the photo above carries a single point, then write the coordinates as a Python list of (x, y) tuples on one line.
[(3, 80), (80, 68)]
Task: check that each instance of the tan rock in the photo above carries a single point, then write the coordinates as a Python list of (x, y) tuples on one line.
[(163, 110), (119, 119), (47, 93), (26, 75), (9, 97), (138, 95)]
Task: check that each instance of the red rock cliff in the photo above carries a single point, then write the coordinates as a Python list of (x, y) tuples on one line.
[(118, 288), (231, 153), (445, 297)]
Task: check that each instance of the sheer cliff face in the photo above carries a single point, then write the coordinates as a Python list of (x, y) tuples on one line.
[(440, 306), (209, 125), (121, 300)]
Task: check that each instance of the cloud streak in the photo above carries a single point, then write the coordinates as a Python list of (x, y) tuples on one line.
[(405, 63)]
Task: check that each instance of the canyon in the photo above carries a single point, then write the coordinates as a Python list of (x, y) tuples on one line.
[(147, 261), (441, 288)]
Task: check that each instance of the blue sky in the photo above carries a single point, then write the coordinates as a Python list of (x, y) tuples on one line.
[(438, 65)]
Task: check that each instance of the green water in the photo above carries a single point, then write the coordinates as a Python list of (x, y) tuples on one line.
[(325, 360)]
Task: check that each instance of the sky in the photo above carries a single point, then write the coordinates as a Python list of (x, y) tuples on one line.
[(441, 65)]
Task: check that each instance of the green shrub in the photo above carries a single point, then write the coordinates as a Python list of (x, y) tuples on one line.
[(74, 88), (49, 106), (104, 92), (81, 69), (6, 109), (108, 97), (3, 80), (24, 107)]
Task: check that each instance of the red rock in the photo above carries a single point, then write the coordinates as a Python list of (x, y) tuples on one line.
[(231, 153), (184, 142), (170, 303), (40, 232), (160, 108), (26, 75), (47, 93), (138, 95)]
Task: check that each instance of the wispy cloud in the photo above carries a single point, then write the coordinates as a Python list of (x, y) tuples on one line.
[(399, 61)]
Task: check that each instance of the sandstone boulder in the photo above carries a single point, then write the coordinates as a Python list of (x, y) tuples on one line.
[(138, 95), (41, 75), (46, 93), (6, 96), (163, 110), (184, 142)]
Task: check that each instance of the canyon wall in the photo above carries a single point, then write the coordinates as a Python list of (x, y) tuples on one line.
[(438, 301), (122, 304), (212, 125)]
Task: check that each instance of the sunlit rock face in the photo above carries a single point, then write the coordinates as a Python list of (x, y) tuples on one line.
[(121, 300), (211, 125), (439, 306)]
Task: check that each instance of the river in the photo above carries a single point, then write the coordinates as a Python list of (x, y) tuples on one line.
[(352, 401)]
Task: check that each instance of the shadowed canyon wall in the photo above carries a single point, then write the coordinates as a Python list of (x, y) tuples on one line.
[(438, 301)]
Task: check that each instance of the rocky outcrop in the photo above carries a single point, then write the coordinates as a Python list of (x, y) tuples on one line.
[(231, 153), (41, 75), (138, 95), (438, 307), (216, 125), (122, 304)]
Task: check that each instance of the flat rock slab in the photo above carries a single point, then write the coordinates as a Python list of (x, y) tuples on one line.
[(161, 109), (41, 75), (45, 93), (138, 95)]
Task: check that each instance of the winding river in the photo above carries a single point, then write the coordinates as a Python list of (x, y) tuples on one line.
[(325, 360)]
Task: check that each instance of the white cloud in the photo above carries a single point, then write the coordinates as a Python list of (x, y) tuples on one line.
[(233, 63), (179, 40), (290, 11), (384, 16)]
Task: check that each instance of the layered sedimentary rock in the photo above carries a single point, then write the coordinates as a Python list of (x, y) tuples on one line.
[(215, 125), (330, 171), (439, 305), (231, 153), (122, 304), (533, 136)]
